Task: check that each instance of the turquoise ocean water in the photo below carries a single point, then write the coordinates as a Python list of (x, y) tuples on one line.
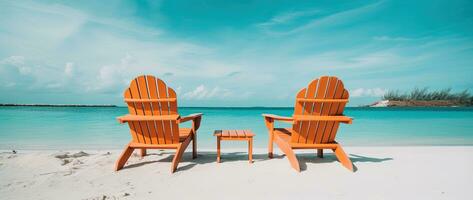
[(97, 128)]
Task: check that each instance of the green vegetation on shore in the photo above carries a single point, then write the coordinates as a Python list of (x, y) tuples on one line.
[(463, 98)]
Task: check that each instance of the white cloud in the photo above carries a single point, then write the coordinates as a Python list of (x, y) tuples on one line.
[(114, 77), (287, 17), (13, 60), (12, 70), (88, 56), (368, 92), (16, 62), (334, 19), (363, 58), (49, 25), (22, 72), (69, 69), (202, 92), (389, 38)]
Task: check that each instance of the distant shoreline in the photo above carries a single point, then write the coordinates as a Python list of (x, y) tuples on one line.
[(418, 103), (379, 104), (59, 105)]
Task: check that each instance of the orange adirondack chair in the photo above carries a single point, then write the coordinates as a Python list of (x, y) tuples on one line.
[(318, 113), (154, 120)]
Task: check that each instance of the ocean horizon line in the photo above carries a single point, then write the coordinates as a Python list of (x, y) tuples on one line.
[(238, 107)]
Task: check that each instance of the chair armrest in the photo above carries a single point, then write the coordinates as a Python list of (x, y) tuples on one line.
[(130, 118), (190, 117), (340, 118), (196, 118), (278, 118), (269, 120)]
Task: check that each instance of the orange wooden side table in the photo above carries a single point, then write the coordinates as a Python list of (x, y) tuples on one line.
[(235, 135)]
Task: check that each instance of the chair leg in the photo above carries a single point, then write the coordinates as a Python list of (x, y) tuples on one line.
[(142, 153), (179, 152), (218, 149), (270, 145), (194, 145), (343, 158), (123, 157), (286, 148), (320, 153), (250, 150)]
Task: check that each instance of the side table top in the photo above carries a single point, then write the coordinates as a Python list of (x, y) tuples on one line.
[(234, 133)]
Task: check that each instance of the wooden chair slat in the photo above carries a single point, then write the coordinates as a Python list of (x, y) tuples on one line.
[(163, 93), (167, 132), (140, 127), (298, 106), (316, 109), (139, 131), (134, 135), (143, 94), (311, 94), (325, 109), (131, 105), (152, 132), (160, 132), (155, 108), (150, 82), (172, 104), (321, 92), (338, 111), (152, 93), (307, 109), (173, 111), (136, 94), (167, 126), (175, 131), (327, 126), (333, 126), (298, 110)]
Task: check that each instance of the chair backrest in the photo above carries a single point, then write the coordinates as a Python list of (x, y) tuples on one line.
[(325, 96), (149, 96)]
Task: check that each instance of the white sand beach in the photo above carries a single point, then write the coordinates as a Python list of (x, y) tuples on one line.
[(381, 173)]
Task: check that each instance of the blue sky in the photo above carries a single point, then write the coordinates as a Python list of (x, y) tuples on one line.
[(230, 53)]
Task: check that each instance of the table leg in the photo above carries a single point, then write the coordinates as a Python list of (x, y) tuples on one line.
[(320, 153), (250, 150), (218, 149), (142, 153)]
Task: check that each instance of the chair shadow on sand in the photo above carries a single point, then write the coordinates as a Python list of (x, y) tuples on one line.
[(305, 158), (206, 157)]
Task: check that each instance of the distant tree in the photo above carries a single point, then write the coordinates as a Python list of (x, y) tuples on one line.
[(464, 97)]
